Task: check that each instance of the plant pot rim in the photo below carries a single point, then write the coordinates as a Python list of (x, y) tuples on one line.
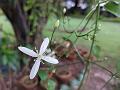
[(30, 85), (65, 76)]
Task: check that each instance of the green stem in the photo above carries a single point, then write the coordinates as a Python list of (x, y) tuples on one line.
[(52, 36), (91, 14), (86, 72)]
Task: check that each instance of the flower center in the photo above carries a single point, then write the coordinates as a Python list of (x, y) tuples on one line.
[(40, 56)]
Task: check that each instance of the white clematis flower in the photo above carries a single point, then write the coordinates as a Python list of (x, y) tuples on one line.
[(39, 56)]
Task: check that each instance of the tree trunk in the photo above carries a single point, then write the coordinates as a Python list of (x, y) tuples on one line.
[(16, 15), (17, 18)]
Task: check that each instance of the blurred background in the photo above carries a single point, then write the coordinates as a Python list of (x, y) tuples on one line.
[(88, 32)]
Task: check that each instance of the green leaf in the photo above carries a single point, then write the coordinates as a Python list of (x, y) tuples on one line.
[(42, 74), (96, 50), (51, 85), (5, 60), (118, 1), (113, 7), (65, 38)]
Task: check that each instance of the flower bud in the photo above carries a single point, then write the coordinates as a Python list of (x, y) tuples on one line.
[(64, 10), (57, 23)]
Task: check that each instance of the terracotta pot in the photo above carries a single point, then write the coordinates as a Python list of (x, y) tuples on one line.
[(2, 84), (64, 75), (72, 56), (28, 84)]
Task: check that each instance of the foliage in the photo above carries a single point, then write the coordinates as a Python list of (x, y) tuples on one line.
[(37, 9), (113, 7), (8, 55), (42, 74), (51, 84), (97, 50)]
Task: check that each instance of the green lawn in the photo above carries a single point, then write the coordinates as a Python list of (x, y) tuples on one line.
[(4, 23), (107, 38)]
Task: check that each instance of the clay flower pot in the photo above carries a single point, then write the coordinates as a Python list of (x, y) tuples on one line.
[(72, 56), (64, 75), (28, 84)]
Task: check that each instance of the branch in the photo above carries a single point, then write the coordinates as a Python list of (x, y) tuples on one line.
[(17, 18)]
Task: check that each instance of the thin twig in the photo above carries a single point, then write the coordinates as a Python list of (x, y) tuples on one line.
[(52, 36), (93, 40), (108, 81)]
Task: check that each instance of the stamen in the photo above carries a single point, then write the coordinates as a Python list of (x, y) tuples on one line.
[(36, 50), (42, 62)]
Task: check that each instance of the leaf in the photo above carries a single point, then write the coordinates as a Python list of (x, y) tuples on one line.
[(5, 60), (113, 7), (96, 50), (42, 74), (51, 85), (65, 38), (117, 1)]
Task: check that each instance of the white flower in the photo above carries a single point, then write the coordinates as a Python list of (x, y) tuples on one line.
[(39, 56)]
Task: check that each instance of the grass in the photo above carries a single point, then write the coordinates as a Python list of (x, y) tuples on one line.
[(107, 38), (5, 24)]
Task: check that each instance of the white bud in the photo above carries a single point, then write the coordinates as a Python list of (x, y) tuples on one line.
[(64, 10), (57, 23), (53, 71)]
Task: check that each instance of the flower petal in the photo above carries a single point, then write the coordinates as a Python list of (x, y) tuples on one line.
[(35, 69), (27, 51), (44, 45), (50, 59)]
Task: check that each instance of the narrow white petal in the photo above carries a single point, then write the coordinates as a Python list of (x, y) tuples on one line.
[(28, 51), (44, 45), (35, 69), (50, 59)]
